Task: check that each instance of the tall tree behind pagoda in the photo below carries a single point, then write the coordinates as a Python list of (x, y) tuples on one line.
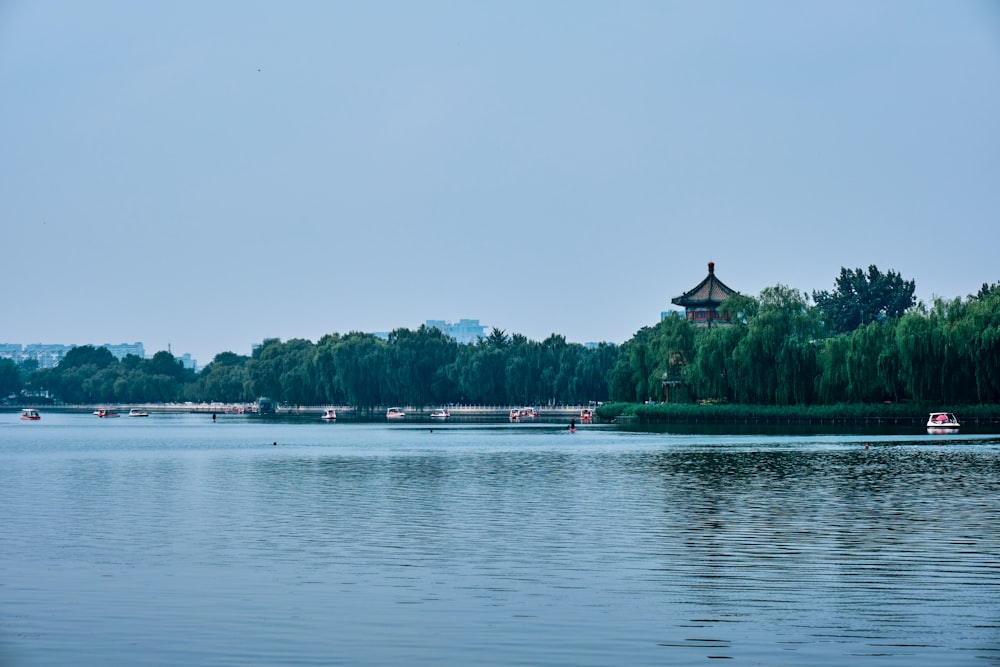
[(862, 298)]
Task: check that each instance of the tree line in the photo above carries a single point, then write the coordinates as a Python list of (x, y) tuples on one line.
[(421, 367), (868, 341), (865, 341)]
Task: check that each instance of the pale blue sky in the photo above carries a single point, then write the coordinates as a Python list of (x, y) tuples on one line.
[(210, 174)]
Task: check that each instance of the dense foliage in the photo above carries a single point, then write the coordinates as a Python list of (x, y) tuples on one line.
[(90, 374), (863, 343), (780, 351), (861, 298), (422, 367)]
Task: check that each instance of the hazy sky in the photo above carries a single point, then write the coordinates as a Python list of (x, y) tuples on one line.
[(210, 174)]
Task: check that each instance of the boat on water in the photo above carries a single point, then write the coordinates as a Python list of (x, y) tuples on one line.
[(329, 415), (586, 416), (30, 414), (440, 413), (942, 422), (517, 414), (136, 412), (104, 412), (394, 413)]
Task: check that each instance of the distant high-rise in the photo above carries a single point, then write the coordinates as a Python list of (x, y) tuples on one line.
[(122, 350), (48, 355), (464, 331)]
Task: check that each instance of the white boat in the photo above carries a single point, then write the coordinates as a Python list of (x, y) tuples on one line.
[(136, 412), (517, 414), (104, 412), (30, 414), (329, 415), (440, 413), (394, 413), (942, 422)]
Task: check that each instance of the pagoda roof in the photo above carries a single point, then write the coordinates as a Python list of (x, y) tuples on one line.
[(709, 292)]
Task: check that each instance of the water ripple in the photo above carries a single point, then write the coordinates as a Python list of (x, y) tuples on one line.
[(371, 545)]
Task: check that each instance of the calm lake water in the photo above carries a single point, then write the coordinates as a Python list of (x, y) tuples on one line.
[(172, 540)]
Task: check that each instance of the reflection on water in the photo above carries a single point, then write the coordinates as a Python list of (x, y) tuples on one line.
[(367, 544)]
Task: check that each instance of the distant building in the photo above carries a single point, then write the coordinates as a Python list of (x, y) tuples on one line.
[(188, 362), (701, 303), (464, 331), (122, 350), (48, 355)]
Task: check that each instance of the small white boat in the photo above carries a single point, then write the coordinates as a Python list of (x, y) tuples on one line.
[(329, 415), (440, 413), (30, 414), (136, 412), (104, 412), (517, 414), (942, 422), (394, 413)]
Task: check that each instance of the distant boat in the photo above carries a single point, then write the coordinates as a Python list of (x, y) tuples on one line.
[(586, 416), (31, 414), (942, 422), (329, 415), (136, 412), (394, 413), (440, 413), (104, 412), (517, 414)]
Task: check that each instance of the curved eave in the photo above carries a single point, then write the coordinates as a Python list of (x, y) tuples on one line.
[(710, 292), (697, 303)]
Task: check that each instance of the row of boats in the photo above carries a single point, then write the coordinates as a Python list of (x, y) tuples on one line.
[(937, 422), (515, 415), (32, 414), (134, 412), (399, 413)]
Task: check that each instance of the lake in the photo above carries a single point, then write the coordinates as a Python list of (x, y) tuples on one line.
[(173, 540)]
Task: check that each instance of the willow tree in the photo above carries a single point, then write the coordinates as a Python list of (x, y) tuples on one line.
[(351, 368), (629, 378), (776, 361), (285, 371), (981, 342), (224, 379), (650, 356), (710, 374), (416, 366), (871, 364)]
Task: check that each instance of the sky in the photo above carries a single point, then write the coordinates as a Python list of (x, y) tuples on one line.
[(206, 175)]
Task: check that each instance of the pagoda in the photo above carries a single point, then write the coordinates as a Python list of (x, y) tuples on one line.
[(702, 302)]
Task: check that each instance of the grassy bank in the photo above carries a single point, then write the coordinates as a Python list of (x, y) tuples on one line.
[(903, 413)]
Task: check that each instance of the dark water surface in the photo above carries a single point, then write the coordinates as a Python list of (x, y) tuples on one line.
[(171, 540)]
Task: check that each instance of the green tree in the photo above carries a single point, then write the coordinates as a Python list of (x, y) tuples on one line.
[(711, 374), (776, 361), (417, 366), (862, 298), (650, 356), (225, 380), (85, 375), (360, 360), (10, 378)]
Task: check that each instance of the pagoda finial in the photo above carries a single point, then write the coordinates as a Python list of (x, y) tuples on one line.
[(711, 267)]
